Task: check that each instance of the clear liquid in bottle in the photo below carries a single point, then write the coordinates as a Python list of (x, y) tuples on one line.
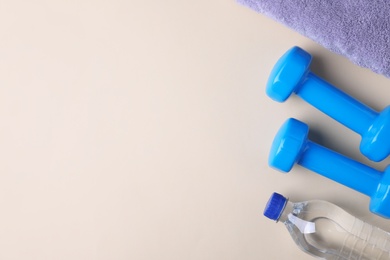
[(324, 230)]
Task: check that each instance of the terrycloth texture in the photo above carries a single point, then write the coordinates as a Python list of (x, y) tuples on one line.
[(358, 29)]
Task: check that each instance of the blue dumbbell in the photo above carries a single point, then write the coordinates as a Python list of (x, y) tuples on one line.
[(291, 146), (291, 74)]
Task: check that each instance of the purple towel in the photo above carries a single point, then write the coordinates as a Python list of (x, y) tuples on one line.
[(357, 29)]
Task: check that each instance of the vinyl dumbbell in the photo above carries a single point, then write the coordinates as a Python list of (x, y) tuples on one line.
[(291, 146), (291, 74)]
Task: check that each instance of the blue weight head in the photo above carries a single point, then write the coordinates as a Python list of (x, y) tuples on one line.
[(380, 200), (375, 142), (288, 144), (288, 73)]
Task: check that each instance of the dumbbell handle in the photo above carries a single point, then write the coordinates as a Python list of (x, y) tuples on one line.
[(337, 104), (340, 168)]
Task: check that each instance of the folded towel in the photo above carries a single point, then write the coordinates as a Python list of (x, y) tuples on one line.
[(357, 29)]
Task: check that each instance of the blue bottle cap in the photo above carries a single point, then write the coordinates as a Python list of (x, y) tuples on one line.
[(275, 206)]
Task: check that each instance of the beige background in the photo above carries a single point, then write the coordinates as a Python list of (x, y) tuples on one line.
[(140, 130)]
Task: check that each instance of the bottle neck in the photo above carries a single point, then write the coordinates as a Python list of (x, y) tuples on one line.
[(288, 208)]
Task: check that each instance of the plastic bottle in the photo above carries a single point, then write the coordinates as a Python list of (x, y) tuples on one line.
[(324, 230)]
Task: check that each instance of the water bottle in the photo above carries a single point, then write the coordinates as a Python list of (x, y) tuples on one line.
[(326, 231)]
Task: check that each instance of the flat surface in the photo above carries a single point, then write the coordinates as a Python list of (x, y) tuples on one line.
[(141, 130)]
